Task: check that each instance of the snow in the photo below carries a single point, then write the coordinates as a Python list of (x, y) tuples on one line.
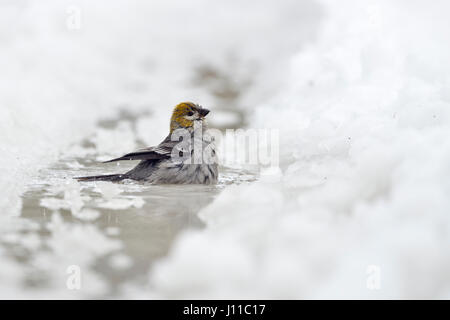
[(121, 261), (59, 80), (358, 90), (364, 120)]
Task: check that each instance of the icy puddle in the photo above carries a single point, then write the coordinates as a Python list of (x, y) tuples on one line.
[(109, 234), (114, 232)]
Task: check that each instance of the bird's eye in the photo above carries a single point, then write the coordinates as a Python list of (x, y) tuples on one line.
[(190, 113)]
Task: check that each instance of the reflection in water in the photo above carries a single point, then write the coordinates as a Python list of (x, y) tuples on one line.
[(144, 218)]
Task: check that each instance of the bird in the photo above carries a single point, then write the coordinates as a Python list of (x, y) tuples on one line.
[(186, 156)]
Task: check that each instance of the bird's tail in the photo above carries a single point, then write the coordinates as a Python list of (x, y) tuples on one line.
[(109, 177)]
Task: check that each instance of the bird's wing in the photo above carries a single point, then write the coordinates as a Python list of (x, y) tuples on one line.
[(162, 151)]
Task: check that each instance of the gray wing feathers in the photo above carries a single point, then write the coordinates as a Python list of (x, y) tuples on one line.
[(162, 151)]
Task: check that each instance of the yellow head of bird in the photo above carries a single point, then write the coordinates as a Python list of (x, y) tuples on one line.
[(185, 114)]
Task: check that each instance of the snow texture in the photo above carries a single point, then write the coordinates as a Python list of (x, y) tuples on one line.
[(365, 118), (360, 91)]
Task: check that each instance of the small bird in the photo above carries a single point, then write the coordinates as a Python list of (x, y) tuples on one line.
[(172, 161)]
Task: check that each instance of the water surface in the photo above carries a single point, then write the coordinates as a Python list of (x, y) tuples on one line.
[(115, 230)]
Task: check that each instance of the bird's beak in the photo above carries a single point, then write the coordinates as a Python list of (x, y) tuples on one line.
[(203, 112)]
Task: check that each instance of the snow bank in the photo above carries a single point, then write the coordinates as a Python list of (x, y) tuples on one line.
[(361, 206), (361, 209)]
